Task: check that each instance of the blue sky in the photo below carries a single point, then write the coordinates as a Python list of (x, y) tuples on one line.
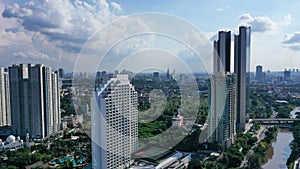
[(54, 32)]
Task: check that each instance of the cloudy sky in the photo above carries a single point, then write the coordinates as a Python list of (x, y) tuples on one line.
[(55, 32)]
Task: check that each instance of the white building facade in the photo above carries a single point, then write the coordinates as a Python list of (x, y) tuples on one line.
[(221, 118), (35, 100), (5, 115), (114, 124)]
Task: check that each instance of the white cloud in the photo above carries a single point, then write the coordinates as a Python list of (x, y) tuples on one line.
[(61, 20), (116, 6), (33, 55), (264, 24), (224, 8), (292, 38), (245, 16), (287, 19), (292, 41), (260, 24), (52, 30), (56, 31), (294, 47)]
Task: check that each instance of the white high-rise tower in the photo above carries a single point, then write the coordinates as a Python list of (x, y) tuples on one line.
[(34, 100), (5, 119), (115, 119)]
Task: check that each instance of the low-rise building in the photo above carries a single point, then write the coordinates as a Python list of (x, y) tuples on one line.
[(160, 158)]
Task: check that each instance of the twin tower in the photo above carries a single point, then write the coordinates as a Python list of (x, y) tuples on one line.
[(229, 89)]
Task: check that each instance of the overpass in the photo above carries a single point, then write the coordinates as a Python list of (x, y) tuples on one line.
[(274, 121)]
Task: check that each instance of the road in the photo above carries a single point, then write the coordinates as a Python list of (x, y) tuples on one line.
[(260, 135)]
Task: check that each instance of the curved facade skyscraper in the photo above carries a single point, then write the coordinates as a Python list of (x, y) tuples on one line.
[(114, 124)]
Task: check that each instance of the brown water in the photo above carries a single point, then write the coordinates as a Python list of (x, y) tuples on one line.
[(277, 155)]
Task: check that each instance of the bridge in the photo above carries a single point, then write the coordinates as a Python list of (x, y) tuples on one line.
[(274, 121)]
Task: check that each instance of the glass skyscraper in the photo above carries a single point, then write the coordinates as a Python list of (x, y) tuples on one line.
[(221, 54), (242, 71), (222, 100)]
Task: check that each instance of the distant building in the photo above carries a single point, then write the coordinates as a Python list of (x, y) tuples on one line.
[(115, 119), (166, 90), (264, 76), (34, 97), (182, 78), (156, 75), (5, 114), (287, 75), (259, 73), (101, 74), (84, 75), (61, 73), (242, 71), (168, 76), (71, 121), (177, 120), (173, 75)]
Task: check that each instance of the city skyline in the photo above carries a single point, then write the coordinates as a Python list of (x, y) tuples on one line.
[(32, 35), (114, 84)]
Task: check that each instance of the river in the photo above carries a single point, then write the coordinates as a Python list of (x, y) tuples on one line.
[(277, 155), (293, 112)]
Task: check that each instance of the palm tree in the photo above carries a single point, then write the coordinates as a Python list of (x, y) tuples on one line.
[(68, 164)]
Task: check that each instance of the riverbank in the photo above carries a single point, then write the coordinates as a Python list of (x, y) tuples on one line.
[(279, 150), (280, 155), (270, 152), (295, 146), (257, 153), (294, 112)]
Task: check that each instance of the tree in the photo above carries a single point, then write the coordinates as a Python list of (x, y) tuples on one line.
[(69, 163), (252, 140), (254, 161)]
